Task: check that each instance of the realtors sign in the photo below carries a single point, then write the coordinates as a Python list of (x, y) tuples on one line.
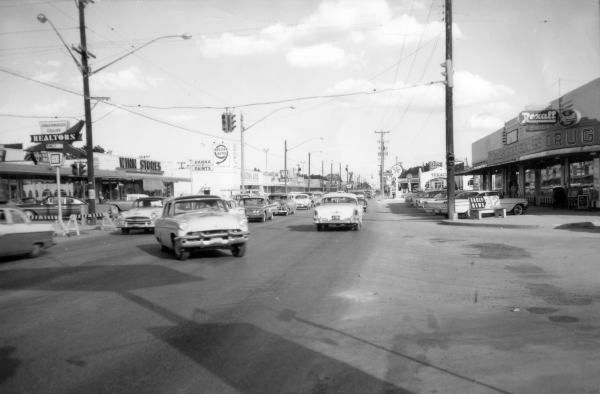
[(54, 138)]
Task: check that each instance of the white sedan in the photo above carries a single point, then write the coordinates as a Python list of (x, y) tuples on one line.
[(338, 210), (200, 222), (18, 235), (142, 215)]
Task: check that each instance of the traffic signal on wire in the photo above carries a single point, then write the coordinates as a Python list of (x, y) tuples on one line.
[(231, 122), (75, 168), (82, 169), (225, 121)]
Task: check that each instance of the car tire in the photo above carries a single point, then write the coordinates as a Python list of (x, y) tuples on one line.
[(319, 227), (36, 250), (180, 253), (238, 250), (124, 231), (518, 210)]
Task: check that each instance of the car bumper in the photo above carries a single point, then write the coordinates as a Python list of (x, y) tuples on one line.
[(339, 222), (136, 224), (199, 242)]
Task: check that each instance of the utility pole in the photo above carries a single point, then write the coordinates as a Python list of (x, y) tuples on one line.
[(88, 115), (449, 113), (382, 151), (308, 172), (330, 176), (285, 174), (340, 175), (266, 150), (322, 174), (242, 151)]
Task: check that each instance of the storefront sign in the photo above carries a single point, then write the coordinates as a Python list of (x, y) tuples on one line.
[(201, 165), (546, 116), (146, 166), (54, 126), (54, 138), (566, 118), (221, 153), (558, 139)]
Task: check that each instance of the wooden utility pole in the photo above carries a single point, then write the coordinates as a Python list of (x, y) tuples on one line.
[(449, 113), (382, 150)]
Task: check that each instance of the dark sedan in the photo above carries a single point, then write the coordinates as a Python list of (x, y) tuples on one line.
[(49, 207), (258, 208)]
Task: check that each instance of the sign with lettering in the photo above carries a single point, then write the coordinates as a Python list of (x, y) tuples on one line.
[(545, 116), (54, 138), (145, 166), (201, 165), (221, 153), (557, 139), (54, 126)]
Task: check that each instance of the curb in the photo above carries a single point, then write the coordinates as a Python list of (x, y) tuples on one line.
[(497, 225)]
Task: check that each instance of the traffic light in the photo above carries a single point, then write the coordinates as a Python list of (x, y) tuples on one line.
[(231, 122), (225, 121), (448, 72), (75, 168), (450, 162), (82, 169)]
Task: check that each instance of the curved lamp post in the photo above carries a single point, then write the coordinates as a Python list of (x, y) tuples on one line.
[(86, 72), (243, 129), (286, 150)]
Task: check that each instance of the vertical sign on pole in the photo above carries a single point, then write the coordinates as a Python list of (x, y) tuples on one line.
[(56, 159)]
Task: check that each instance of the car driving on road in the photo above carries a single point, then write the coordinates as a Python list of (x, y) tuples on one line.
[(338, 210), (200, 222), (142, 215), (18, 235)]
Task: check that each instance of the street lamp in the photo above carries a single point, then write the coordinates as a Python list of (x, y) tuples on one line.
[(86, 72), (286, 150), (243, 129)]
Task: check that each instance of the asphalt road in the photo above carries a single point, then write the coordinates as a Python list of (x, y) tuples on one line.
[(404, 305)]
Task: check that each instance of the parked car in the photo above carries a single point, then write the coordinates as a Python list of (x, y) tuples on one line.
[(514, 205), (362, 200), (142, 215), (440, 206), (431, 195), (18, 235), (197, 222), (257, 208), (338, 209), (286, 204), (303, 201), (49, 207)]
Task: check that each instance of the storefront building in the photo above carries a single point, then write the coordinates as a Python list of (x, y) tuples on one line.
[(549, 156), (115, 177)]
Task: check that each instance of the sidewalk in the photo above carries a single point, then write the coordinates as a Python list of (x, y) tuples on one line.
[(534, 217)]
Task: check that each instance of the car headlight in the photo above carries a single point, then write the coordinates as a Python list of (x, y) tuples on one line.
[(121, 217), (153, 216), (183, 226)]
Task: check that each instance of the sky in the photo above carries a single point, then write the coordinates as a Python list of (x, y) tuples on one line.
[(322, 75)]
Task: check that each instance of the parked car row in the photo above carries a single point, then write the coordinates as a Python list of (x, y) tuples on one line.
[(436, 201)]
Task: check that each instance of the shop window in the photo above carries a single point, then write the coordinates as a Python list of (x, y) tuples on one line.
[(511, 137)]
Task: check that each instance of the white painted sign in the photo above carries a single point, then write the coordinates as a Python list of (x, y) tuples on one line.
[(54, 126)]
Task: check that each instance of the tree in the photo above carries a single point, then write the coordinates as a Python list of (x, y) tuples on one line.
[(97, 149)]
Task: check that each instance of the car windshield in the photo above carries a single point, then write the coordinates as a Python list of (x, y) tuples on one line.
[(301, 196), (204, 205), (253, 201), (148, 204), (338, 200), (279, 197)]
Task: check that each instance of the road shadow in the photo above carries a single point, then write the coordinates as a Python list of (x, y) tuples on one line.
[(307, 228), (113, 278), (584, 227), (154, 250), (8, 363)]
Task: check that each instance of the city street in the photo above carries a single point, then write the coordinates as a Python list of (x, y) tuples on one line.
[(405, 305)]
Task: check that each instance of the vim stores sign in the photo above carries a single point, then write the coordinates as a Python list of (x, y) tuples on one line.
[(145, 166)]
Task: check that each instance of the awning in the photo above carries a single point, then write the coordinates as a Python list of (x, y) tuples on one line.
[(153, 184)]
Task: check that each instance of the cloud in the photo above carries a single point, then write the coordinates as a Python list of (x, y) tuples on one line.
[(131, 78), (48, 63), (322, 55), (57, 107), (51, 76), (485, 121), (470, 89), (346, 22)]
